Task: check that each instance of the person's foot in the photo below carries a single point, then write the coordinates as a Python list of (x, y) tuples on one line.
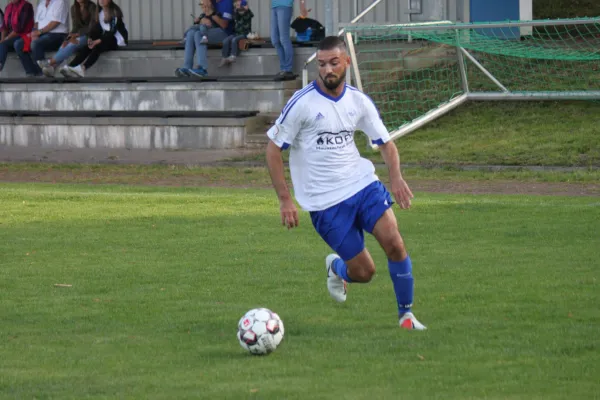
[(335, 284), (48, 70), (231, 59), (204, 40), (42, 63), (199, 72), (285, 76), (64, 71), (408, 321), (77, 71), (182, 72)]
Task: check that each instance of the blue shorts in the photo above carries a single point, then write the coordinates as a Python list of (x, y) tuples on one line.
[(342, 225)]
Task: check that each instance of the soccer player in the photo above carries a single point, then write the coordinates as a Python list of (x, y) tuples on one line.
[(337, 186)]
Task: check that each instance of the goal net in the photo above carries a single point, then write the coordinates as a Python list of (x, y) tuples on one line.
[(416, 73)]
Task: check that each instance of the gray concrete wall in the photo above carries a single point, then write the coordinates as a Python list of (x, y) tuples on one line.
[(79, 133), (207, 96), (146, 63)]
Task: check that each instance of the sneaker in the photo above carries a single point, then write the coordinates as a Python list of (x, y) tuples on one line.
[(336, 285), (231, 59), (408, 321), (200, 72), (77, 71), (64, 71), (182, 72), (204, 40), (43, 63), (48, 71)]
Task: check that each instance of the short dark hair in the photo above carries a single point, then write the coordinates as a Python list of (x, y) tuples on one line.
[(331, 43)]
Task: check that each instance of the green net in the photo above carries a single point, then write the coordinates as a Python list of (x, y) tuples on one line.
[(412, 70)]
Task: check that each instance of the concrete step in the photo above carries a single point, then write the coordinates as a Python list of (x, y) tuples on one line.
[(127, 130), (155, 95), (163, 62)]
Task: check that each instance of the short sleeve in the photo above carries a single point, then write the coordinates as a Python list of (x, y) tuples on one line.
[(288, 125), (371, 122), (59, 12)]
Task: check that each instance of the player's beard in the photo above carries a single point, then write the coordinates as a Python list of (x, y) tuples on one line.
[(331, 82)]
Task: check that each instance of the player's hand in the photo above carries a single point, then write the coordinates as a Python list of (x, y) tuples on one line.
[(289, 214), (402, 193)]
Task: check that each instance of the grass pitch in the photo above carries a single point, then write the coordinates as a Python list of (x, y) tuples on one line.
[(508, 286)]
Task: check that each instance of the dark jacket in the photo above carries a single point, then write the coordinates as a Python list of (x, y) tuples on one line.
[(116, 25), (80, 25)]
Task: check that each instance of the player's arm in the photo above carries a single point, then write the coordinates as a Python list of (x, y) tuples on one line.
[(282, 136), (373, 126)]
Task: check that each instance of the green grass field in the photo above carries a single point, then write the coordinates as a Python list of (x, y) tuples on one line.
[(508, 286)]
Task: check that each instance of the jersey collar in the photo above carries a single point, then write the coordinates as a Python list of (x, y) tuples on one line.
[(327, 96)]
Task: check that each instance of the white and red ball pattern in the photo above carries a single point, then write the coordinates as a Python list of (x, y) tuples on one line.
[(260, 331)]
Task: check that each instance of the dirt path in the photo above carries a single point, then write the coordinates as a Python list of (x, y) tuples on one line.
[(212, 157)]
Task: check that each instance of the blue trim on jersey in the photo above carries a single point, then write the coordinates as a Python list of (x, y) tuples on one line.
[(367, 96), (296, 95), (285, 113), (378, 142), (285, 146), (327, 96)]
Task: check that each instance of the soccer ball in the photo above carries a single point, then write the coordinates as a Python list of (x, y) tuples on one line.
[(260, 331)]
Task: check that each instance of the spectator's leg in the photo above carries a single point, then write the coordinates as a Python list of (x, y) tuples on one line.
[(80, 57), (66, 52), (235, 46), (227, 49), (5, 47), (106, 45), (284, 19), (190, 47), (275, 35), (31, 69), (48, 42), (215, 36)]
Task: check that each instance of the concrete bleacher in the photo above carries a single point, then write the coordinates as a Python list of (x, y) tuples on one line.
[(130, 99)]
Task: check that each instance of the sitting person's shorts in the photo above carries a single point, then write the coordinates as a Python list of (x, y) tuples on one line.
[(342, 225)]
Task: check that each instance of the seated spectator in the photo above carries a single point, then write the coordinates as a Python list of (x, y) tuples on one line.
[(2, 30), (109, 33), (242, 18), (50, 30), (219, 15), (17, 24), (84, 14)]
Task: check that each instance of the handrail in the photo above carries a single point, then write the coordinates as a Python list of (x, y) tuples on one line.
[(341, 32)]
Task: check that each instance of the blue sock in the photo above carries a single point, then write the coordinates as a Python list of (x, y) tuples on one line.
[(341, 269), (401, 274)]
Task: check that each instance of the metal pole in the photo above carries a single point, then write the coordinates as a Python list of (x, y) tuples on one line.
[(572, 95), (425, 119), (357, 79), (461, 65), (485, 71), (328, 17)]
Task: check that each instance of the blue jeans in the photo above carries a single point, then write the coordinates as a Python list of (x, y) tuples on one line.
[(46, 42), (231, 45), (71, 48), (193, 45), (5, 47), (281, 18)]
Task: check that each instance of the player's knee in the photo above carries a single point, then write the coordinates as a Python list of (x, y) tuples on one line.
[(364, 274), (394, 249)]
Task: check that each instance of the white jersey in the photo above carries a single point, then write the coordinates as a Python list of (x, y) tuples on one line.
[(325, 164)]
